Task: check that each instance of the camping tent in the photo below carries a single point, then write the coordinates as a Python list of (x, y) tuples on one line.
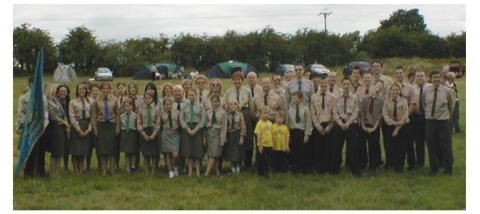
[(165, 71), (64, 73), (224, 69)]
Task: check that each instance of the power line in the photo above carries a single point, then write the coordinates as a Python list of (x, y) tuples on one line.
[(325, 13)]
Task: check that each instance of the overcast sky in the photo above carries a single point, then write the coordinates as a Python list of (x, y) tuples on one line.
[(121, 22)]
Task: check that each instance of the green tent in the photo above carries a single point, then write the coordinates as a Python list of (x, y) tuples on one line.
[(224, 69)]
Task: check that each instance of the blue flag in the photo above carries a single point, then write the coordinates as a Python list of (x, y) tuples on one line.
[(35, 117)]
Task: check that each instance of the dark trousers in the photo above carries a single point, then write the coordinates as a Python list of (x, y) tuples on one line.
[(373, 143), (35, 164), (279, 161), (298, 150), (439, 143), (456, 117), (418, 133), (398, 147), (321, 150), (264, 161), (387, 142), (248, 161), (362, 149), (349, 135), (409, 144)]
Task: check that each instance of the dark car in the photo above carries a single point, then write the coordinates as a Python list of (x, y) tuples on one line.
[(364, 66)]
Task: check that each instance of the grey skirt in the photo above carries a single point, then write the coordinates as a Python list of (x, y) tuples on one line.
[(57, 139), (79, 145), (232, 151), (129, 142), (105, 139), (150, 147), (191, 146), (213, 142), (170, 141)]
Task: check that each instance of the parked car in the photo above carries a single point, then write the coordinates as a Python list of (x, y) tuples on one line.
[(318, 69), (285, 68), (103, 73), (455, 67), (364, 66)]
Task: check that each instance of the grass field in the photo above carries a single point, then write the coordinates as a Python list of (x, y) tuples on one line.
[(383, 190)]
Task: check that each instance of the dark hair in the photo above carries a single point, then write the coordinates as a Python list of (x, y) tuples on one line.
[(67, 98), (128, 88), (377, 61), (215, 97), (30, 80), (298, 94), (152, 85), (93, 85), (78, 87), (356, 68), (237, 74), (435, 72), (346, 78), (400, 67), (105, 84)]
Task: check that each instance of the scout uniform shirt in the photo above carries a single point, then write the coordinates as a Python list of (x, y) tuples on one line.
[(236, 122), (439, 107), (174, 117), (178, 104), (321, 109), (303, 85), (371, 108), (254, 90), (79, 109), (264, 129), (136, 102), (335, 90), (272, 101), (202, 95), (355, 87), (346, 109), (243, 96), (22, 109), (120, 103), (418, 93), (280, 137), (57, 111), (148, 117), (192, 113), (104, 109), (207, 103), (298, 117), (128, 121), (218, 122), (395, 110)]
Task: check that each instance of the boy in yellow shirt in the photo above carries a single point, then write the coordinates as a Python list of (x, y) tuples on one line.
[(280, 138), (263, 130)]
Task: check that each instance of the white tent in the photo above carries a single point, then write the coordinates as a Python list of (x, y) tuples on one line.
[(65, 73)]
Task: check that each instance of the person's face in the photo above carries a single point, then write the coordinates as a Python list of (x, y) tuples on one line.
[(346, 86), (277, 80), (289, 76), (82, 90), (395, 91), (265, 115), (237, 82), (215, 86), (376, 68), (133, 90), (279, 119), (177, 93), (367, 79), (121, 89), (316, 80), (106, 90), (356, 74), (201, 83), (436, 79), (168, 105), (150, 91), (187, 86), (148, 99), (323, 85), (299, 71), (215, 103), (192, 96), (232, 106), (307, 75), (62, 93), (168, 91), (95, 92), (266, 85), (252, 79), (128, 107), (420, 78), (399, 75), (332, 78), (296, 100), (379, 87)]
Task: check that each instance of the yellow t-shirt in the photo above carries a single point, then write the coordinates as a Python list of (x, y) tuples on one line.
[(264, 129), (280, 135)]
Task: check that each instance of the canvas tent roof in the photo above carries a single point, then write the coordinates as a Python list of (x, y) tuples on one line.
[(224, 69), (166, 69), (64, 73)]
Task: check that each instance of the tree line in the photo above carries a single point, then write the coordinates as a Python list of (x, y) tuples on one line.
[(403, 34)]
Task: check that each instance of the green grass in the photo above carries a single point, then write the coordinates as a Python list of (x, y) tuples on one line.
[(384, 190)]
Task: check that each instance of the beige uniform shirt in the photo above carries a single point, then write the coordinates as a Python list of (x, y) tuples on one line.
[(186, 115), (322, 113), (142, 118), (236, 122), (244, 96), (207, 103), (56, 112), (402, 110), (257, 89), (22, 109), (175, 119), (335, 90), (202, 95), (274, 104), (306, 87), (221, 122), (305, 122), (346, 113), (417, 97), (132, 124), (373, 103), (444, 103), (79, 109)]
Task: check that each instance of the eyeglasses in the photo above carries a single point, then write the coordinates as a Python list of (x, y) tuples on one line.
[(298, 69), (215, 84)]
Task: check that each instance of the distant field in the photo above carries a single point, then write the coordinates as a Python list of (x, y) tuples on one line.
[(384, 190)]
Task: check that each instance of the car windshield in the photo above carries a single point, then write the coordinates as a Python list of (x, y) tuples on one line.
[(103, 70), (318, 67)]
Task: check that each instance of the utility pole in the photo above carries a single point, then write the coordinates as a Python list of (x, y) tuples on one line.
[(325, 13)]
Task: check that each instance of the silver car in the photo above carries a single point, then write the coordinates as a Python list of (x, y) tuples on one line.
[(103, 74)]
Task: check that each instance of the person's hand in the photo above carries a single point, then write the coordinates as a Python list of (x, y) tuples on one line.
[(260, 149), (117, 132), (208, 126), (344, 126), (305, 139), (145, 136), (152, 137), (327, 130), (288, 149), (321, 130), (95, 132), (395, 133), (241, 141)]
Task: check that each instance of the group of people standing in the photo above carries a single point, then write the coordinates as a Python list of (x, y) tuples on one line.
[(301, 124)]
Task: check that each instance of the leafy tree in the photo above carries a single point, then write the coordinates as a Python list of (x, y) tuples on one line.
[(81, 48), (409, 20)]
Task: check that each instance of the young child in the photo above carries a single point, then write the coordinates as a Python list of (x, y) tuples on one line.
[(148, 125), (170, 136), (300, 123), (128, 134), (233, 151), (263, 130), (216, 135), (281, 141)]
